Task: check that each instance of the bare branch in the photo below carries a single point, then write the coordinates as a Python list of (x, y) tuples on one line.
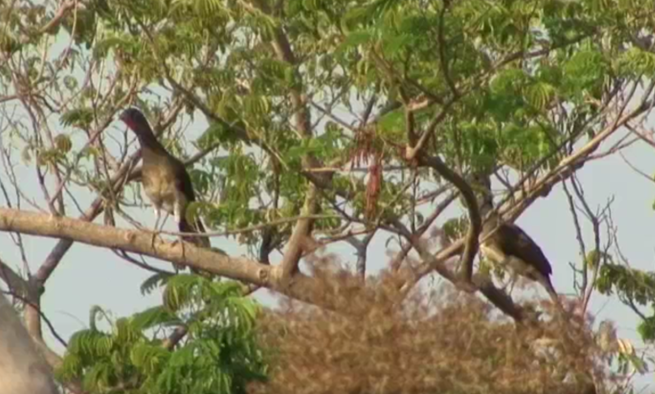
[(45, 318), (239, 268), (471, 244), (578, 234), (478, 282), (301, 231), (361, 247)]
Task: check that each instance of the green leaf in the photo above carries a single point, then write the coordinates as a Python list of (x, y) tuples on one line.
[(179, 291), (540, 94), (355, 39), (157, 315), (79, 117), (154, 281)]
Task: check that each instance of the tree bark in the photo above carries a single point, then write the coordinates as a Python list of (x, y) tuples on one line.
[(22, 369)]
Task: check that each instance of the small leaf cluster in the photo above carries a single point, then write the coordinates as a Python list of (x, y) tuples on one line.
[(634, 287)]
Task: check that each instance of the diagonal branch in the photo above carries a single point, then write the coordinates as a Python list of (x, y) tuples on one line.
[(478, 282), (301, 232), (542, 187), (471, 241), (242, 269)]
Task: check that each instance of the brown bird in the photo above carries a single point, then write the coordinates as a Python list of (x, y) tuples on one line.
[(165, 180), (508, 245)]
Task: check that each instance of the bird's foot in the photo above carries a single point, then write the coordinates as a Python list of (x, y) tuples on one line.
[(180, 242)]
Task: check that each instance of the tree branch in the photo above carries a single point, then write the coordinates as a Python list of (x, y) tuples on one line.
[(471, 243), (478, 282), (243, 269), (301, 231), (542, 187), (303, 228), (22, 369)]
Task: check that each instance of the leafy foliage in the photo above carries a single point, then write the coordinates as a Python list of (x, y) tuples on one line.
[(220, 353), (492, 84)]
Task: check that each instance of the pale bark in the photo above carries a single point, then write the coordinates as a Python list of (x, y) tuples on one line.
[(22, 368), (238, 268)]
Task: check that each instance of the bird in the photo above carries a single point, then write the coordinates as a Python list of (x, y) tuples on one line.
[(166, 182), (508, 245)]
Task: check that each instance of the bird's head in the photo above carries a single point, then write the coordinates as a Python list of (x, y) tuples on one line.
[(135, 120)]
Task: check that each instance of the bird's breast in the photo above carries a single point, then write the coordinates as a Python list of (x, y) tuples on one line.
[(159, 187)]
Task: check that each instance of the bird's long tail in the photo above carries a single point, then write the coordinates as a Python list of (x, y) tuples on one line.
[(545, 281), (202, 242), (197, 227)]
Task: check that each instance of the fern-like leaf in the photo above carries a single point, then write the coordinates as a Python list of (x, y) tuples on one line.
[(154, 316), (154, 281)]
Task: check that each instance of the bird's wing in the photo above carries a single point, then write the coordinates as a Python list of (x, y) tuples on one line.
[(514, 241), (183, 182)]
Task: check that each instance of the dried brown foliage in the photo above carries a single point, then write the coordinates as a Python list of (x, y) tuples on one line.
[(376, 341), (373, 186)]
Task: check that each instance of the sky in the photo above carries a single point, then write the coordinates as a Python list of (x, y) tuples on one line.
[(90, 276)]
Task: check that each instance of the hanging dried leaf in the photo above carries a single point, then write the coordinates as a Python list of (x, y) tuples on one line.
[(373, 186)]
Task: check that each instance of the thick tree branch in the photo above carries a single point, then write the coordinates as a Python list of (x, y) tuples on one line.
[(243, 269), (471, 242), (22, 369), (361, 247), (301, 231), (132, 241)]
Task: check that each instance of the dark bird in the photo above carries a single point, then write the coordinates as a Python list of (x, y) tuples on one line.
[(508, 245), (165, 180)]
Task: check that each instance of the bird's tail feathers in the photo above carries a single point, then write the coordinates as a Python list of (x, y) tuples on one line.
[(545, 281), (197, 227)]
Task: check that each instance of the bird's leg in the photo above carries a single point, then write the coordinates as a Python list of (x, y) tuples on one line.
[(163, 223), (157, 218), (177, 213)]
